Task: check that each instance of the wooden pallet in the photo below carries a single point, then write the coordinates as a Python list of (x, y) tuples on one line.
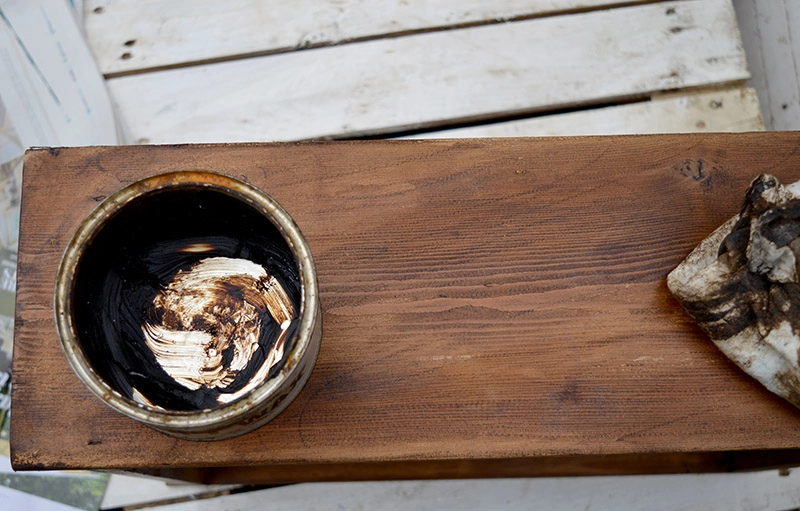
[(280, 71), (490, 307)]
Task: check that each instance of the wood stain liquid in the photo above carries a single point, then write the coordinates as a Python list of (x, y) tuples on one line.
[(186, 299)]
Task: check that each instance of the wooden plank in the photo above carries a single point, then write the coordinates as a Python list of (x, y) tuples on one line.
[(763, 491), (771, 32), (731, 109), (132, 35), (15, 499), (139, 491), (748, 27), (438, 78), (490, 306)]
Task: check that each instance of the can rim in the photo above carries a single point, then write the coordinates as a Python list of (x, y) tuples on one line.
[(198, 420)]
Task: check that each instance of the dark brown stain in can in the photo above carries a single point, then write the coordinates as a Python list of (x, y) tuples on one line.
[(145, 253)]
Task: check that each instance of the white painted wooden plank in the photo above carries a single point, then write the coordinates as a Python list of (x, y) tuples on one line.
[(13, 499), (792, 117), (751, 40), (759, 491), (430, 79), (784, 104), (793, 16), (131, 35), (730, 109), (128, 490), (774, 36)]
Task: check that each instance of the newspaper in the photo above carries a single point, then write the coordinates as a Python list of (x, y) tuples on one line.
[(51, 94)]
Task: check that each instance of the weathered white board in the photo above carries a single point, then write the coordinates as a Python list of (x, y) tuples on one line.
[(771, 33), (733, 109), (760, 491), (440, 78), (134, 490), (129, 35)]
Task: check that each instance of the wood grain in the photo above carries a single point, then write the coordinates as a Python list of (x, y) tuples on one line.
[(498, 299), (733, 109), (438, 79), (134, 35)]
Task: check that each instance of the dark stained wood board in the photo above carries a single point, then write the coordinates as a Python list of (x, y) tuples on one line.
[(486, 303)]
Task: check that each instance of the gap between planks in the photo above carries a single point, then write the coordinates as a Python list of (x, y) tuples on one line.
[(442, 78), (130, 36)]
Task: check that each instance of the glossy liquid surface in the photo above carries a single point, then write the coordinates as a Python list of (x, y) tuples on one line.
[(136, 278)]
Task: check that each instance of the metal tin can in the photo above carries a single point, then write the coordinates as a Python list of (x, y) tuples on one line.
[(189, 301)]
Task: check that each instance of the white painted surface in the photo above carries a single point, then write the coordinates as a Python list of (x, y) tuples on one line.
[(17, 500), (431, 79), (771, 35), (732, 109), (181, 31), (129, 490), (759, 491)]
